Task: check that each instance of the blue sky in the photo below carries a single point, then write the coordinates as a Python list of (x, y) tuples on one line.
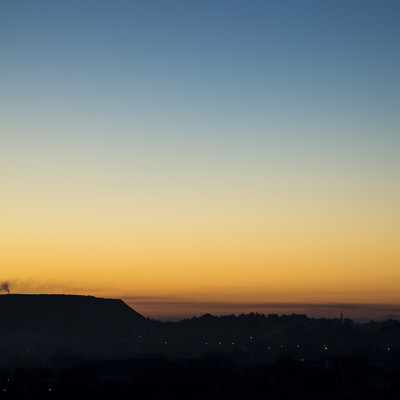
[(285, 79), (179, 61)]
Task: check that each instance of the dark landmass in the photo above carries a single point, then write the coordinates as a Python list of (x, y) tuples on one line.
[(62, 346)]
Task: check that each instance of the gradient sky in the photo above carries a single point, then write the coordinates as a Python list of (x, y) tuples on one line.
[(203, 156)]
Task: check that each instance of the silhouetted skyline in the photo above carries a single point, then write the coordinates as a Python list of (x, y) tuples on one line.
[(66, 346)]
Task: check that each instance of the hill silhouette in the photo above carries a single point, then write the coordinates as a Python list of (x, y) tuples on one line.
[(37, 327), (50, 311)]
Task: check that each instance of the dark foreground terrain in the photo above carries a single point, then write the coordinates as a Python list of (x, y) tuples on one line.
[(72, 347)]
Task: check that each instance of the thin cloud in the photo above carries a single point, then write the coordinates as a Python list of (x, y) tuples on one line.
[(165, 301), (175, 307)]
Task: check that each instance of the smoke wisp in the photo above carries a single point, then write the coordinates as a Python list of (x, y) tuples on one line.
[(5, 287)]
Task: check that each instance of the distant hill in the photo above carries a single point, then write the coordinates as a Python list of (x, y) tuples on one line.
[(47, 325), (54, 311)]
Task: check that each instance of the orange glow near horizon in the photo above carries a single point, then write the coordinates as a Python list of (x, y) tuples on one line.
[(172, 264)]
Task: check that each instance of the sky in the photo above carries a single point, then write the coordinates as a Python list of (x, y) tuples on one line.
[(203, 156)]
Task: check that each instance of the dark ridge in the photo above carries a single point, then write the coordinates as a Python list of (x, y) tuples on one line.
[(54, 311), (35, 328)]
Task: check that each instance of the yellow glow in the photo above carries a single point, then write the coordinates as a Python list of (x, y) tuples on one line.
[(193, 247)]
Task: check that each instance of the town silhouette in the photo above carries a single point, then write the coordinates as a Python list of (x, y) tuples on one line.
[(66, 346)]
